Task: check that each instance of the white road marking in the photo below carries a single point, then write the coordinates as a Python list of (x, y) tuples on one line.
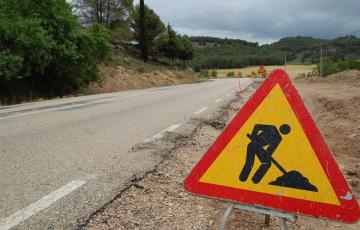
[(162, 133), (99, 101), (203, 109), (218, 100), (39, 205)]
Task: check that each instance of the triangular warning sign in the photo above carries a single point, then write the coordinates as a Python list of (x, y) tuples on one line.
[(273, 155), (262, 70)]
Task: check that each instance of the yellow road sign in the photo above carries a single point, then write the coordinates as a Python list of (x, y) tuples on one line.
[(293, 153), (273, 155)]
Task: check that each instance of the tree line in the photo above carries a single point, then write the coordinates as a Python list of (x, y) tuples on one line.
[(218, 53), (53, 48), (156, 39), (235, 53), (307, 49)]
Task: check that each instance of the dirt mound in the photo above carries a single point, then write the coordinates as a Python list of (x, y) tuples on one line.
[(351, 77), (294, 179)]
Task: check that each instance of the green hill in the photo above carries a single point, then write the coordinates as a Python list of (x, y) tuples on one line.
[(232, 53), (235, 53)]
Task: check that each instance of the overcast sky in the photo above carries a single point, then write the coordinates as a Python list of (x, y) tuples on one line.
[(263, 21)]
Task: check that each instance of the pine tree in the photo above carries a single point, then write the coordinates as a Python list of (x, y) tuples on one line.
[(144, 46), (154, 29), (171, 49)]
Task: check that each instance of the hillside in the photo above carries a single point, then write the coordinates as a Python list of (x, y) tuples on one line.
[(232, 53), (235, 53), (127, 72), (306, 49)]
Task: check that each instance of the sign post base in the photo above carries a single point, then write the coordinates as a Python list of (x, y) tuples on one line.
[(267, 212)]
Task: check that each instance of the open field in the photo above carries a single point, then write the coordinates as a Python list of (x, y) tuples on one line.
[(292, 70)]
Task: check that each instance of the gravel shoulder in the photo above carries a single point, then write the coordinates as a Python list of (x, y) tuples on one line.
[(157, 200)]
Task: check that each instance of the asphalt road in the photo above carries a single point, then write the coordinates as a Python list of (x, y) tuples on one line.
[(61, 160)]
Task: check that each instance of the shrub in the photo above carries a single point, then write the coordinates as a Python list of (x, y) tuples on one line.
[(331, 67), (230, 74), (214, 73), (204, 73)]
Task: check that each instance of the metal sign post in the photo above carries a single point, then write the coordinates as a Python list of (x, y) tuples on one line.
[(268, 212)]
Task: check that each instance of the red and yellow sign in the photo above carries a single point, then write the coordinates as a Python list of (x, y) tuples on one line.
[(262, 70), (273, 155)]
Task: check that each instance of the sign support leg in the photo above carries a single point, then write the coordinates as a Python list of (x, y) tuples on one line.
[(267, 220), (267, 212), (285, 227), (225, 217)]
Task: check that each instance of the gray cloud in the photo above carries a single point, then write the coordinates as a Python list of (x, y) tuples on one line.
[(264, 21)]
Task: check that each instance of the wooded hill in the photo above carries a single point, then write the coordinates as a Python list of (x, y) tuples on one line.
[(235, 53)]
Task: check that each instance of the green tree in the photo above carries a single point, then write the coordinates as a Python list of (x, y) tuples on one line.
[(214, 73), (10, 65), (144, 42), (171, 46), (174, 46), (185, 50), (154, 28), (230, 74), (101, 38), (45, 50), (105, 12), (204, 73), (113, 14)]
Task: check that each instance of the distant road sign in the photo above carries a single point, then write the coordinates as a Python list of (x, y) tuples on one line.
[(273, 155), (262, 70)]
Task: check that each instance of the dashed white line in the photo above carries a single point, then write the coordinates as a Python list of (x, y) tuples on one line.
[(39, 205), (60, 107), (203, 109), (218, 100), (162, 133)]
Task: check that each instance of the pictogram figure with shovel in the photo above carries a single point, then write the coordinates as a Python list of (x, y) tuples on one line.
[(264, 141)]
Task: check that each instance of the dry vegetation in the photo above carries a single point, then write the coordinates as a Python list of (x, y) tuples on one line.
[(125, 72), (119, 78)]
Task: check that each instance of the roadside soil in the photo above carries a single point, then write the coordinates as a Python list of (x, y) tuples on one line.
[(158, 200), (119, 78)]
